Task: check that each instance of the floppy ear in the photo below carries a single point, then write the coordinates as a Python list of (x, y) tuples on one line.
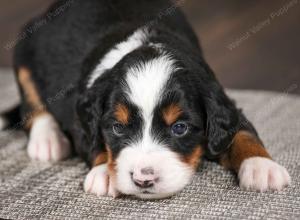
[(222, 119), (88, 113), (89, 141)]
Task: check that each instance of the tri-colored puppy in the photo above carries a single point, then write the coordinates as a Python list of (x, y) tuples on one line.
[(139, 103)]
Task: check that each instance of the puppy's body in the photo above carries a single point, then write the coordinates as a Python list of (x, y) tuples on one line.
[(137, 95), (57, 50)]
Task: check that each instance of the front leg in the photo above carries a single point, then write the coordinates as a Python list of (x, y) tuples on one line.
[(47, 142), (254, 166)]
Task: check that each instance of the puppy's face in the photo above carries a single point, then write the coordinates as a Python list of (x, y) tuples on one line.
[(152, 122), (154, 148), (152, 132)]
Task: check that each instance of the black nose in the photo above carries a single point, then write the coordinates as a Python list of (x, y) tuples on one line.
[(144, 183)]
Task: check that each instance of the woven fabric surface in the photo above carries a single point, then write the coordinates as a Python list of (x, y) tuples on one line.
[(34, 190)]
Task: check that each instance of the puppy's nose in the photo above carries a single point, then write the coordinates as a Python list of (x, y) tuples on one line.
[(144, 178), (143, 183)]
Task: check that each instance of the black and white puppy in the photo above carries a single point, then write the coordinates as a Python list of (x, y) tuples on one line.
[(126, 84)]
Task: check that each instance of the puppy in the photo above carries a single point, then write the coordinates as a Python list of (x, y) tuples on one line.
[(126, 84)]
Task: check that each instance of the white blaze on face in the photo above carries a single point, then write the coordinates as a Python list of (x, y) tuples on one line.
[(120, 50), (146, 83)]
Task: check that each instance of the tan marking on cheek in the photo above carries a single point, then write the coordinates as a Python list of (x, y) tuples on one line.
[(101, 158), (244, 146), (171, 113), (122, 113), (31, 95), (194, 158)]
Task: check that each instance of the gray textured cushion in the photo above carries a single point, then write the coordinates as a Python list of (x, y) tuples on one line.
[(31, 190)]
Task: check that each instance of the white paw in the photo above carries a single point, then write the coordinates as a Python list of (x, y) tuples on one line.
[(46, 140), (98, 182), (262, 174)]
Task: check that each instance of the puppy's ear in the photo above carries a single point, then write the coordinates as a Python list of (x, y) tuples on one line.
[(90, 106), (88, 112), (222, 119)]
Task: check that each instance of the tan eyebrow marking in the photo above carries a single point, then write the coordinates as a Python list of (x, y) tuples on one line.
[(122, 113), (171, 113)]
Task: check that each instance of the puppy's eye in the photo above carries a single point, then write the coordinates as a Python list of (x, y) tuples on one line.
[(179, 129), (118, 129)]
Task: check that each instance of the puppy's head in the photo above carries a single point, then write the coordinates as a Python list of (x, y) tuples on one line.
[(155, 117)]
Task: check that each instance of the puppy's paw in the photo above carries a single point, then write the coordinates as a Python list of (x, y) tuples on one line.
[(46, 140), (262, 174), (98, 182)]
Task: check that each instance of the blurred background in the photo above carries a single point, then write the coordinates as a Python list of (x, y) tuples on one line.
[(249, 44)]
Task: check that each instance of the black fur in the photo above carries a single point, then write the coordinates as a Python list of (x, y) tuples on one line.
[(63, 52), (12, 118)]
